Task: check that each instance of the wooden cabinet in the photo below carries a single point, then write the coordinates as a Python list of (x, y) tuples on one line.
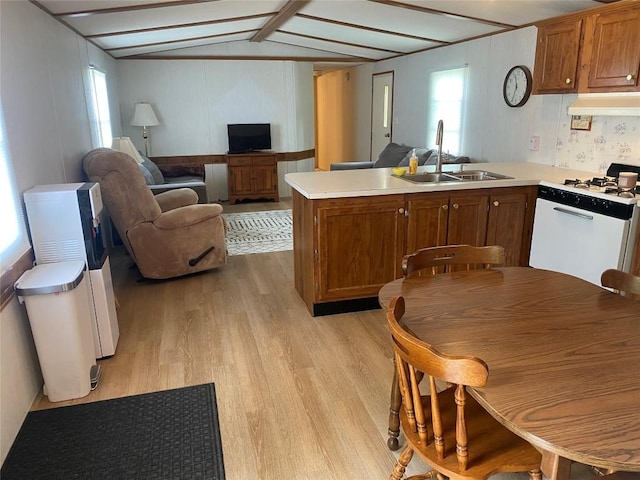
[(428, 220), (468, 218), (360, 245), (635, 263), (557, 57), (510, 223), (252, 176), (596, 52), (612, 51), (478, 217), (443, 219), (348, 248)]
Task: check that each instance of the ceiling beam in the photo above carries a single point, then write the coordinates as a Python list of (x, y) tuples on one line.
[(250, 57), (180, 40), (338, 42), (289, 10), (128, 8), (443, 13), (371, 29), (175, 26)]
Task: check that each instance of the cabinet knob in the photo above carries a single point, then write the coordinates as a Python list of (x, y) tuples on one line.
[(629, 77), (455, 205), (445, 207), (401, 210), (496, 203), (567, 81)]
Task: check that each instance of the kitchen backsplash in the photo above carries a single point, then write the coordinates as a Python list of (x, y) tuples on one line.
[(611, 139)]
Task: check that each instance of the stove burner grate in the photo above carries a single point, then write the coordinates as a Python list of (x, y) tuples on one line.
[(604, 182), (578, 183), (609, 184)]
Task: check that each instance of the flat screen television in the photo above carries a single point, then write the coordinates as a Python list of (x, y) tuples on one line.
[(249, 137)]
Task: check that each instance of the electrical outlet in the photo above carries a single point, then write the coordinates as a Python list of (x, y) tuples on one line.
[(534, 144)]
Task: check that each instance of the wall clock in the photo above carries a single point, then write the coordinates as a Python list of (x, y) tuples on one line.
[(517, 86)]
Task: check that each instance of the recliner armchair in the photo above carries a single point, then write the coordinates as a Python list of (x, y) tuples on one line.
[(167, 235)]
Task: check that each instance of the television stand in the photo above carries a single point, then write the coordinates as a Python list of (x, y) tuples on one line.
[(252, 176)]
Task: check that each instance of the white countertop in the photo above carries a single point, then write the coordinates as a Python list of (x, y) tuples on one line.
[(380, 181)]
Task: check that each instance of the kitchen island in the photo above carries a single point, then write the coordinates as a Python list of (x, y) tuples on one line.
[(351, 228)]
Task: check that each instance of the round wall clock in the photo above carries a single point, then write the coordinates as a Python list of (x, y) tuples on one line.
[(517, 86)]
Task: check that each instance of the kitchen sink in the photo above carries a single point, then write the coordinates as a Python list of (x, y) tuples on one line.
[(479, 175), (468, 176), (430, 178)]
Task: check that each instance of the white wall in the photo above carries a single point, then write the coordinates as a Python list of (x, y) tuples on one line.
[(196, 99), (43, 69), (494, 132), (363, 80)]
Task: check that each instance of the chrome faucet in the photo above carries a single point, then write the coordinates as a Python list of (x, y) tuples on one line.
[(439, 143)]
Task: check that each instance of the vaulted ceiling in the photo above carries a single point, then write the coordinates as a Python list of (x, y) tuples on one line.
[(340, 32)]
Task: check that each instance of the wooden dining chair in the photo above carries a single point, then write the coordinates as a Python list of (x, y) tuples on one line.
[(622, 282), (449, 429), (433, 260)]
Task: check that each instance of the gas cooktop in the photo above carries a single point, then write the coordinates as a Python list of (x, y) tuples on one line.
[(579, 190), (603, 185)]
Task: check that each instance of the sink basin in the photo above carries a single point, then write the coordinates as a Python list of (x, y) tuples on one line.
[(468, 176), (430, 178), (479, 175)]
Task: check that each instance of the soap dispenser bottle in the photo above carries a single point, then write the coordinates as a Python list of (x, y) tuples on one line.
[(413, 163)]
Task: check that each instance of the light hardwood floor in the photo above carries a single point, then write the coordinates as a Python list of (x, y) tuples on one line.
[(299, 397)]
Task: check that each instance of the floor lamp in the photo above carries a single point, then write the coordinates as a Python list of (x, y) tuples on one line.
[(143, 116)]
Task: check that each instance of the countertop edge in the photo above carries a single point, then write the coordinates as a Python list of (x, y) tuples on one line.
[(379, 181)]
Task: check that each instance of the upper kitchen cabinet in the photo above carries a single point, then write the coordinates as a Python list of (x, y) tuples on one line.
[(595, 52), (557, 54), (611, 51)]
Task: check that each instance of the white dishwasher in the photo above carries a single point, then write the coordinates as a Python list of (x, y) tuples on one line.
[(583, 233)]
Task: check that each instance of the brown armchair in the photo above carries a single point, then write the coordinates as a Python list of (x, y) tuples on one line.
[(167, 235)]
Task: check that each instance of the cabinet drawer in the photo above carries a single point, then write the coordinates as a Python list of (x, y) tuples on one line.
[(263, 160), (239, 161)]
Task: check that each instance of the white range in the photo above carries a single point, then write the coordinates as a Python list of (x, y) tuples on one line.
[(585, 227)]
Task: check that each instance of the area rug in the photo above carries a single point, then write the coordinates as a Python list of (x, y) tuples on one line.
[(259, 232), (173, 434)]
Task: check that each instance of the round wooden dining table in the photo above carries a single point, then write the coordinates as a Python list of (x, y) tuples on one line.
[(563, 357)]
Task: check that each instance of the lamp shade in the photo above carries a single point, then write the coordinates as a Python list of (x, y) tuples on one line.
[(125, 145), (143, 116)]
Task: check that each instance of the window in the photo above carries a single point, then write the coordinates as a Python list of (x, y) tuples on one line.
[(447, 103), (13, 237), (100, 119)]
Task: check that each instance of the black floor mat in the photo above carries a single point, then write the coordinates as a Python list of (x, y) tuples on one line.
[(173, 434)]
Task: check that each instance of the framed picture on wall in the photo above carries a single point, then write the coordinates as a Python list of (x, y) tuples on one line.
[(581, 122)]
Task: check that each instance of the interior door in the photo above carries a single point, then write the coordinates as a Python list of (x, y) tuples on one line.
[(381, 112)]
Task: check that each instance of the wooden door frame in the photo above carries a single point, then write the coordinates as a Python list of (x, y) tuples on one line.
[(393, 79)]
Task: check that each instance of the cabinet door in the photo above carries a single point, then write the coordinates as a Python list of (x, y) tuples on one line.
[(265, 179), (427, 217), (360, 246), (557, 54), (467, 218), (240, 180), (613, 49), (506, 224)]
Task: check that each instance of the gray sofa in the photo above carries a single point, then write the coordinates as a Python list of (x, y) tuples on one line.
[(172, 177), (395, 155)]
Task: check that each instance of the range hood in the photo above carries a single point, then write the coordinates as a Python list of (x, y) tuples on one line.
[(612, 104)]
